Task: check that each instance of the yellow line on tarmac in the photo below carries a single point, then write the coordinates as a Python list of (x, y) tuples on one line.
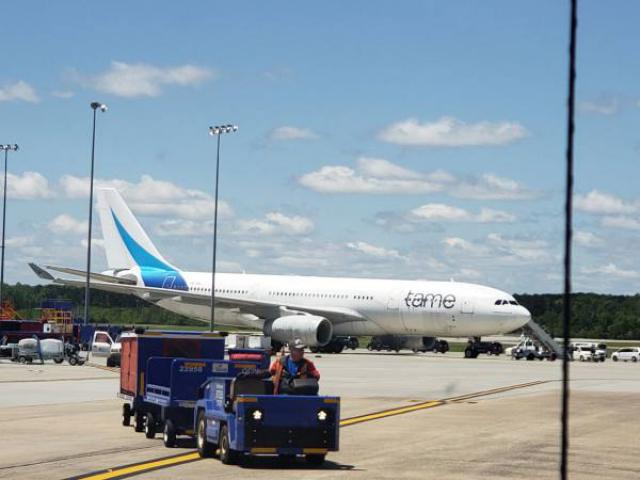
[(141, 467), (390, 412), (144, 467)]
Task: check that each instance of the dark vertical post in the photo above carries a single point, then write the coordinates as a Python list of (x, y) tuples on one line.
[(4, 223), (215, 240), (566, 319), (88, 277)]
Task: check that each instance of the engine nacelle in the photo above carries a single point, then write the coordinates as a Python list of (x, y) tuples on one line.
[(312, 330)]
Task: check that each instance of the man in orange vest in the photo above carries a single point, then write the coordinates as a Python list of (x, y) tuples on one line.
[(288, 367)]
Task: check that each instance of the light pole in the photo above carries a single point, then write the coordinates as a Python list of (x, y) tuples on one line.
[(216, 132), (103, 108), (6, 149)]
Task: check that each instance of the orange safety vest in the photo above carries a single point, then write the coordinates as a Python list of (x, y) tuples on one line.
[(280, 367)]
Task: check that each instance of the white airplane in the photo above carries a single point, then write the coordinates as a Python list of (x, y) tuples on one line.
[(313, 309)]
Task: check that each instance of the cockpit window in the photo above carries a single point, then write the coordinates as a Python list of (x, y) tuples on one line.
[(498, 302), (513, 302)]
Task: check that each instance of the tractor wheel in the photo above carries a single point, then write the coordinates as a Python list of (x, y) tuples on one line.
[(169, 434), (126, 414), (227, 456), (150, 426), (205, 447)]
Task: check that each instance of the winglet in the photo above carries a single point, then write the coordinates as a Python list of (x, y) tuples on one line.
[(41, 272)]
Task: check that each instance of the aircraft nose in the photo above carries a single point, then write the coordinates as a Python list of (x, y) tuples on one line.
[(521, 317)]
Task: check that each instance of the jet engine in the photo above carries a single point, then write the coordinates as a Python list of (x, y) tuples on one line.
[(312, 330)]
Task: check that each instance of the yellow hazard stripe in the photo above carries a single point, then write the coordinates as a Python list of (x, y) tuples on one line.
[(143, 467), (390, 412)]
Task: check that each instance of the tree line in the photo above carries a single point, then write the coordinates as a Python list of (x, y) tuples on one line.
[(594, 315)]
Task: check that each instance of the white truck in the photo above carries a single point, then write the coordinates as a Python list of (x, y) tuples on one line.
[(103, 345), (589, 351)]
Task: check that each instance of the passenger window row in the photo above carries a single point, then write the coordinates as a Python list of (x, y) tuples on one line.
[(319, 295)]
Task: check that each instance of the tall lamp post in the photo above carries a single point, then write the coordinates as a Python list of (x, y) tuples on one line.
[(216, 132), (103, 108), (6, 149)]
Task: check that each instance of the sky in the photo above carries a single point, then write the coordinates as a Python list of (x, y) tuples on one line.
[(415, 140)]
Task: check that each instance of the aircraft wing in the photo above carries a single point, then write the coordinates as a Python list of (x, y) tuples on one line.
[(262, 309), (96, 276)]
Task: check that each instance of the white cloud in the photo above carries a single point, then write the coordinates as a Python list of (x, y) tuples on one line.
[(448, 213), (95, 242), (373, 250), (21, 241), (586, 239), (152, 197), (63, 94), (451, 132), (379, 176), (381, 168), (143, 80), (458, 243), (600, 203), (19, 91), (292, 133), (28, 186), (625, 223), (275, 223), (375, 176), (527, 250), (184, 228), (493, 187), (603, 105), (67, 224), (612, 270)]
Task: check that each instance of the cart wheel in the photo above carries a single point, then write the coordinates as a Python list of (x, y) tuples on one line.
[(58, 360), (316, 459), (22, 359), (126, 414), (150, 426), (169, 434), (138, 418), (227, 456), (73, 360), (205, 447)]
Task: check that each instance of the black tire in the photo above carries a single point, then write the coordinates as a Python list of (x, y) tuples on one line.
[(369, 347), (126, 414), (634, 359), (22, 359), (206, 449), (150, 426), (531, 357), (615, 359), (138, 419), (315, 459), (110, 362), (73, 361), (227, 456), (169, 434), (338, 348), (58, 360)]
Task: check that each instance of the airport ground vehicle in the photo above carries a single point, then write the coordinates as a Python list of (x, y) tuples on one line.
[(174, 384), (531, 350), (475, 347), (30, 349), (337, 345), (137, 349), (583, 353), (241, 416), (628, 354)]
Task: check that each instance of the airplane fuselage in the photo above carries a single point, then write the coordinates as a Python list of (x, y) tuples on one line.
[(394, 307)]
